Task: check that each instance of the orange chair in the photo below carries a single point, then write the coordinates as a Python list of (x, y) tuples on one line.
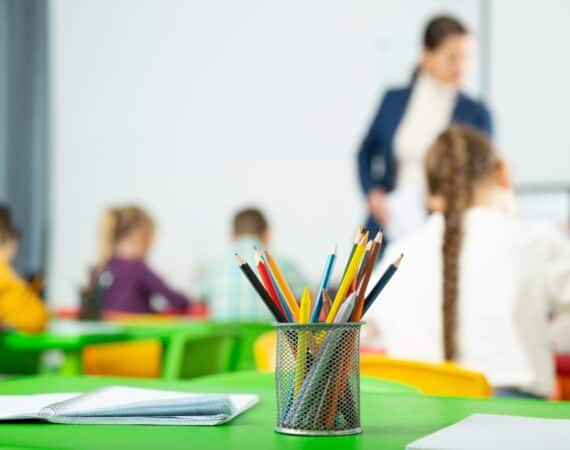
[(562, 391), (446, 379), (264, 351)]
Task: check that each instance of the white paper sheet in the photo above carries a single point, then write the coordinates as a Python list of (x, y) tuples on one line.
[(18, 407), (494, 432)]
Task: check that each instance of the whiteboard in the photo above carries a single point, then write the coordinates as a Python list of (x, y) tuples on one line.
[(195, 109)]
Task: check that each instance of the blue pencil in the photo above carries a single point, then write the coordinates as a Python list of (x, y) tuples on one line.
[(329, 266)]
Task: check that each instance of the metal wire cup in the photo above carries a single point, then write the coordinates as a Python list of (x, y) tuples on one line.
[(317, 377)]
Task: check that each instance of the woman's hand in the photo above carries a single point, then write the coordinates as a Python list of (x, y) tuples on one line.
[(378, 206)]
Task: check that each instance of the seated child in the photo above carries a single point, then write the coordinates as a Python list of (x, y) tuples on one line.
[(223, 287), (126, 237), (20, 307), (477, 284)]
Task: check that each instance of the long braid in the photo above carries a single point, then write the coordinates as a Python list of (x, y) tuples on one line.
[(454, 188), (458, 158)]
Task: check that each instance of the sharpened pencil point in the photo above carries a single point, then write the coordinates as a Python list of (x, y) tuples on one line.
[(398, 260), (257, 257), (378, 237), (240, 260)]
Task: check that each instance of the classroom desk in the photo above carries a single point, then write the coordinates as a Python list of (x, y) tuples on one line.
[(68, 336), (390, 420)]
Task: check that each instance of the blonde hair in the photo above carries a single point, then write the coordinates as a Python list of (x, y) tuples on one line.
[(458, 159), (116, 223)]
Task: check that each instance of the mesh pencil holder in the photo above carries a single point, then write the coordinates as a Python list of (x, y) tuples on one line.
[(317, 377)]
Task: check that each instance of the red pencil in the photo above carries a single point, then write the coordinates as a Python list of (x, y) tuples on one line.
[(266, 280)]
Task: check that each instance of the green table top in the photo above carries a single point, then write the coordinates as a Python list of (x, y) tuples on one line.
[(251, 380), (390, 420), (68, 336), (163, 330)]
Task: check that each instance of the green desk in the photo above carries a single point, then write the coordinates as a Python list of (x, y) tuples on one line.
[(390, 420), (251, 380), (68, 336)]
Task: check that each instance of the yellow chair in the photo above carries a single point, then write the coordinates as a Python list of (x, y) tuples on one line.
[(124, 359), (264, 351), (446, 379)]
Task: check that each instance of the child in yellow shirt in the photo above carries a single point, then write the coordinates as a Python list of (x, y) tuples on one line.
[(20, 307)]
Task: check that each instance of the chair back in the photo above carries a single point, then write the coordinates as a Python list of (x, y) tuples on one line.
[(191, 354), (264, 351), (447, 379)]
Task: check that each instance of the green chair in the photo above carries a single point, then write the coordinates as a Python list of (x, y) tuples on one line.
[(19, 363), (244, 359), (190, 354)]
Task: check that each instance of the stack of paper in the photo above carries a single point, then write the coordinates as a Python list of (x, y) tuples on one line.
[(124, 405)]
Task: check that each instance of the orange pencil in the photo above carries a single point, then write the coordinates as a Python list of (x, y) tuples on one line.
[(283, 286)]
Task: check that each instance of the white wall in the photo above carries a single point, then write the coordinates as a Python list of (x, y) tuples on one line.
[(197, 108), (530, 72)]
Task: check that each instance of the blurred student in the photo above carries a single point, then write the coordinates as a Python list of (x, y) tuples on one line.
[(20, 307), (476, 284), (126, 237), (223, 287)]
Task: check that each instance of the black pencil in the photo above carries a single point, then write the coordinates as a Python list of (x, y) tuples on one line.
[(382, 282), (261, 291)]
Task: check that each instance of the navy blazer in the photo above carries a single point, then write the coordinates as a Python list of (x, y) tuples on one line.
[(376, 163)]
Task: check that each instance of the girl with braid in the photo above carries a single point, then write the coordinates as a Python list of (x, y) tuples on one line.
[(477, 284)]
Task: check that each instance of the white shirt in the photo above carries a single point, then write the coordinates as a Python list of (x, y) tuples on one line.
[(428, 113), (511, 274)]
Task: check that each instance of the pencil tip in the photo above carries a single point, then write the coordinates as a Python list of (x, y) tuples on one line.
[(399, 260), (378, 237), (334, 250)]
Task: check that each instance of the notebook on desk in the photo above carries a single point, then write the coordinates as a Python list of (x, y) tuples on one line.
[(494, 432), (125, 405)]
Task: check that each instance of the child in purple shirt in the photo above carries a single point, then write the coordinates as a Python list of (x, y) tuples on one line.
[(126, 237)]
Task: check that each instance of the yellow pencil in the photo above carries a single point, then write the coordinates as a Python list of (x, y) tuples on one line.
[(283, 286), (348, 277), (304, 317)]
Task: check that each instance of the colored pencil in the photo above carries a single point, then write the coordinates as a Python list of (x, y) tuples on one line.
[(266, 280), (248, 272), (357, 239), (381, 284), (280, 295), (345, 309), (301, 360), (329, 266), (350, 274), (364, 263), (372, 255), (282, 283), (327, 303)]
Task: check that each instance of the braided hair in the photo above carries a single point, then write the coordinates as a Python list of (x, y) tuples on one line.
[(458, 159)]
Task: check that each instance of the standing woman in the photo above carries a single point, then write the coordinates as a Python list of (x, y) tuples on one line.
[(391, 158)]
